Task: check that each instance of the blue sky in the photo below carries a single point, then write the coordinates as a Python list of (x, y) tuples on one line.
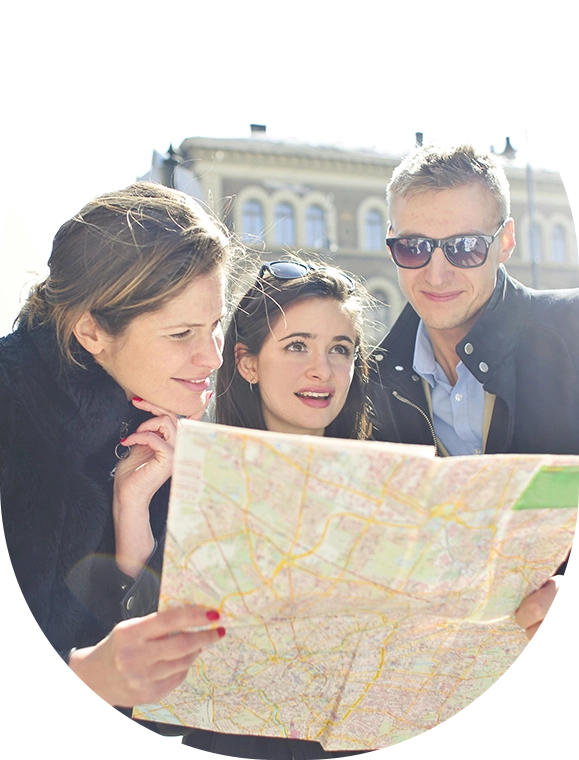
[(88, 97)]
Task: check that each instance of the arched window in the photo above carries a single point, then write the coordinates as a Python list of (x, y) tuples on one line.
[(285, 224), (374, 230), (559, 244), (316, 236), (534, 242), (252, 222)]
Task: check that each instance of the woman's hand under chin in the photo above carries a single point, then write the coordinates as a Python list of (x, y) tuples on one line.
[(197, 414), (139, 476)]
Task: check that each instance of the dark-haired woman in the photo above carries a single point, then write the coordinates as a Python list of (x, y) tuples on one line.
[(294, 357)]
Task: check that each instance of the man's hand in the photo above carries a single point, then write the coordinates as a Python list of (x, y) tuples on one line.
[(549, 615), (143, 659)]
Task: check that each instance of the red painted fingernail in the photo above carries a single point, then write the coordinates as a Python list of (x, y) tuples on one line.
[(136, 398), (124, 439), (212, 615), (221, 632)]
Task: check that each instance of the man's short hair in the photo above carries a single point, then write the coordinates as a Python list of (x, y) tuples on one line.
[(437, 168)]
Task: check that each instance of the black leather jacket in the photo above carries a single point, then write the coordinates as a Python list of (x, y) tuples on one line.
[(524, 348)]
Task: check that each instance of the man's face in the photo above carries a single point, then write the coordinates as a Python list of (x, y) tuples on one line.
[(448, 298)]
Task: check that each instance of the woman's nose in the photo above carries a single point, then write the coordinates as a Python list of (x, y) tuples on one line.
[(320, 367), (210, 355)]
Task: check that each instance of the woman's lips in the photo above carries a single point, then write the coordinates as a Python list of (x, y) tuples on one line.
[(315, 399), (196, 386)]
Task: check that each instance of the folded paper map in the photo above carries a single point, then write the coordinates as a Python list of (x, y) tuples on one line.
[(368, 589)]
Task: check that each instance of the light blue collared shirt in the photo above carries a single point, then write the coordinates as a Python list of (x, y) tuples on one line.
[(458, 412)]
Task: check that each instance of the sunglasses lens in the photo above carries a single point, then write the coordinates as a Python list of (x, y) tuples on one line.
[(467, 251), (293, 270), (286, 270), (411, 253)]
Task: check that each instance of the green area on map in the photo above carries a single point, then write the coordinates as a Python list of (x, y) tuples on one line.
[(552, 487)]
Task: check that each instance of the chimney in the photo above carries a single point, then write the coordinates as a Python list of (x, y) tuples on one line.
[(257, 130), (419, 139)]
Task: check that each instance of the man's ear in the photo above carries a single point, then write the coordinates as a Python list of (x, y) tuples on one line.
[(508, 240), (246, 363), (89, 334)]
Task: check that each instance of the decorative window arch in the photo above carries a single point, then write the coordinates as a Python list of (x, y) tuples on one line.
[(252, 215), (559, 245), (372, 220), (374, 230), (524, 238), (252, 221), (284, 224), (316, 227)]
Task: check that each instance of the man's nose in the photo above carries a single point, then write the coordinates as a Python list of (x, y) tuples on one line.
[(439, 269)]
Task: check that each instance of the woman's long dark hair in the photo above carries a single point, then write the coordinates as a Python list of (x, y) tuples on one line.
[(239, 404)]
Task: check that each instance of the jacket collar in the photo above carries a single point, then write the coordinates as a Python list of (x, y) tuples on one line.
[(89, 403), (485, 349), (494, 336)]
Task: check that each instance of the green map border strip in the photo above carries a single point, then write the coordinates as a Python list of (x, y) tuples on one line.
[(551, 488)]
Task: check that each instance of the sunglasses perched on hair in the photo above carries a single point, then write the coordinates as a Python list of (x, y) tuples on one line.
[(463, 251), (293, 270)]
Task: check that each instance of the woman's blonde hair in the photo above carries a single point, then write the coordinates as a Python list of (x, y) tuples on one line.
[(125, 253)]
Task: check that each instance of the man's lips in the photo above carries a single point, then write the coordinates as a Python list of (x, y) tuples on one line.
[(196, 386), (316, 399), (441, 297)]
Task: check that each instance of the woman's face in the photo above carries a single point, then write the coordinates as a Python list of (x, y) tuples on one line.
[(305, 367), (167, 356)]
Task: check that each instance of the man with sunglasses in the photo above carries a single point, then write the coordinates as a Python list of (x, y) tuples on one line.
[(476, 362)]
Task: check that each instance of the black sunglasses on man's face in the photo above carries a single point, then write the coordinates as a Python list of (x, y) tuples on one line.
[(463, 251)]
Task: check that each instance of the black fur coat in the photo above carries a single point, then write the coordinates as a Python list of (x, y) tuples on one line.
[(58, 430)]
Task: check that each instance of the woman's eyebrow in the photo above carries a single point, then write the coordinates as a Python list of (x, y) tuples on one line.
[(189, 325), (181, 326), (299, 335), (312, 336)]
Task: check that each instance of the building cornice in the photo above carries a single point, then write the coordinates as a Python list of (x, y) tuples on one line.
[(261, 151)]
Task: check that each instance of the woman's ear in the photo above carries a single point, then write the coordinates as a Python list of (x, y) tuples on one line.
[(246, 363), (89, 334)]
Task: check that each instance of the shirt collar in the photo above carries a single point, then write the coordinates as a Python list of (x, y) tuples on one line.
[(424, 362)]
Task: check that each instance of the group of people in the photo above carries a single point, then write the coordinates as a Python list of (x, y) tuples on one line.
[(124, 336)]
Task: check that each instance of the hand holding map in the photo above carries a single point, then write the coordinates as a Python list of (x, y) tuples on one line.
[(549, 615)]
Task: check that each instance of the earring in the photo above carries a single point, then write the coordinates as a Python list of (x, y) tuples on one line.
[(251, 387)]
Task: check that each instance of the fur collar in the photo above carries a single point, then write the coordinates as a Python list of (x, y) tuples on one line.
[(89, 404)]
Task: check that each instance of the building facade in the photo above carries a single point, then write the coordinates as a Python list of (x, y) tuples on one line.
[(330, 202)]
